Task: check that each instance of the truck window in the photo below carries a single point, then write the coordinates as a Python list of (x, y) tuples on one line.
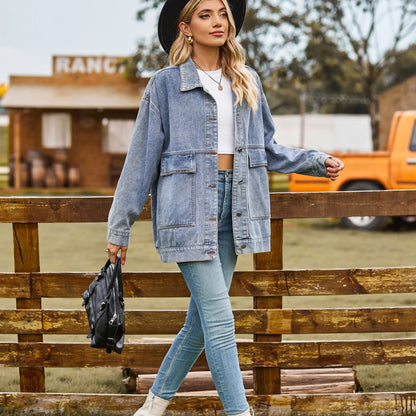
[(413, 140)]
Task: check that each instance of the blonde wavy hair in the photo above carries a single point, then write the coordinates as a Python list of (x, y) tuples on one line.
[(232, 56)]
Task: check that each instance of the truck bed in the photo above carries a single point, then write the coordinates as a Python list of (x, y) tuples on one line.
[(358, 166)]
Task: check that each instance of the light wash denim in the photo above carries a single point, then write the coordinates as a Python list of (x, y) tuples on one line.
[(209, 321), (174, 153)]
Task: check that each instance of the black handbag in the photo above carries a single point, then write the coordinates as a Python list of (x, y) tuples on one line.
[(104, 304)]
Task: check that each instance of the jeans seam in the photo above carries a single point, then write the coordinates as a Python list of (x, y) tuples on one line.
[(176, 355)]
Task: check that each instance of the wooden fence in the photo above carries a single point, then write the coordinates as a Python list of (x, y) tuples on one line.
[(267, 321)]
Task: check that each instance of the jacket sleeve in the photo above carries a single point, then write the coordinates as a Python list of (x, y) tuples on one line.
[(287, 159), (140, 170)]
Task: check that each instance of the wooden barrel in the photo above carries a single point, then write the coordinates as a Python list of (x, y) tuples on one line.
[(33, 154), (50, 178), (60, 172), (74, 176), (38, 173), (60, 156)]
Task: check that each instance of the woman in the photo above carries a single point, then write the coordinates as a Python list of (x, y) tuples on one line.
[(202, 144)]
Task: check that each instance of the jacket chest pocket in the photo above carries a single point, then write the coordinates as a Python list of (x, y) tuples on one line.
[(258, 185), (176, 197)]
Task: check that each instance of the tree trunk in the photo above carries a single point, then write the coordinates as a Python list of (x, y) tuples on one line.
[(374, 116)]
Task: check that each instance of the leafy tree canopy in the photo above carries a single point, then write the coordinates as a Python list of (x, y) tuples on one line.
[(335, 54)]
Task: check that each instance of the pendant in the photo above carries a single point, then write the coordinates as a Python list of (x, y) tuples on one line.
[(220, 87)]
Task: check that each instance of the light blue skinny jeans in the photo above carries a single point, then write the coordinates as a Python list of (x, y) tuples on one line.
[(209, 322)]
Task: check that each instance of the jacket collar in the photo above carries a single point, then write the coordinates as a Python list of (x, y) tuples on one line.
[(189, 76)]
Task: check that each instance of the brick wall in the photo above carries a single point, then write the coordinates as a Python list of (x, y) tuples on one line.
[(96, 167)]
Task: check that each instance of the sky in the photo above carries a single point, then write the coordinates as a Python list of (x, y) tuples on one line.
[(31, 31)]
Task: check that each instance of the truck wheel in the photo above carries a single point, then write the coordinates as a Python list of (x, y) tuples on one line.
[(364, 223), (407, 221)]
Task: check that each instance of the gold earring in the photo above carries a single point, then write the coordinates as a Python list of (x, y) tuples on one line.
[(190, 40)]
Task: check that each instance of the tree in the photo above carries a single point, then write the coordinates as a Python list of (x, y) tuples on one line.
[(268, 27), (337, 53), (322, 77), (402, 66), (360, 29)]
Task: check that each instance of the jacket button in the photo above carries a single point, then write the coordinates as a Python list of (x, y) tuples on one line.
[(244, 246), (240, 149), (238, 214)]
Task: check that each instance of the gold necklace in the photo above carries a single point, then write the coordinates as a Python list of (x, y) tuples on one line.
[(205, 72)]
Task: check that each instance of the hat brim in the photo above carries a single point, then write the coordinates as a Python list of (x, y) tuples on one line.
[(169, 15)]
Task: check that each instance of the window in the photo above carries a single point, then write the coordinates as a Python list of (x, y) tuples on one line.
[(56, 130), (116, 135), (413, 140)]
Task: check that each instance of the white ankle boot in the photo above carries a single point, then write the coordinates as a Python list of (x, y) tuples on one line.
[(248, 412), (153, 406)]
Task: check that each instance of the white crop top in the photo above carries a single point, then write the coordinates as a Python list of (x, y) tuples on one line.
[(224, 100)]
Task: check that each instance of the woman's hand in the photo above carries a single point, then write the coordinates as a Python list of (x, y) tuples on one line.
[(333, 167), (113, 250)]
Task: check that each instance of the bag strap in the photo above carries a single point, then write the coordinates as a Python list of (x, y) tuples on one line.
[(116, 273), (119, 275)]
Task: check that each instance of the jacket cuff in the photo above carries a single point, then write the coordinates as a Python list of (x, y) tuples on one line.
[(320, 164), (117, 238)]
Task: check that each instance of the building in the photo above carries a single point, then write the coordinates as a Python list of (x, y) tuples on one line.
[(401, 97), (71, 128), (325, 132)]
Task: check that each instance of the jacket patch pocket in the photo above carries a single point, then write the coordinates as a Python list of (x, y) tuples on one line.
[(258, 185), (176, 191), (257, 157)]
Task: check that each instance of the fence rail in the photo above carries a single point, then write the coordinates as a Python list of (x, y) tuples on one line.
[(267, 321)]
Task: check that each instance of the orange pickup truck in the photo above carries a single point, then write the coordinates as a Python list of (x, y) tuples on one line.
[(391, 169)]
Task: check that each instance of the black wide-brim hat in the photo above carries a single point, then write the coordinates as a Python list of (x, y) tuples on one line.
[(168, 19)]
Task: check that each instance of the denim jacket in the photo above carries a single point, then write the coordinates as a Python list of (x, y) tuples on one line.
[(173, 153)]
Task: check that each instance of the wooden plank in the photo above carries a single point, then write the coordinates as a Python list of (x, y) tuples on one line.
[(20, 321), (79, 355), (259, 321), (209, 405), (245, 283), (350, 281), (267, 380), (58, 209), (15, 285), (342, 204), (316, 371), (26, 259), (26, 247), (316, 354), (283, 205), (318, 380), (194, 381), (312, 354), (354, 320), (354, 403), (331, 387), (72, 285)]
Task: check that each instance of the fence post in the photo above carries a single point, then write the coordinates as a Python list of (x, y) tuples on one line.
[(267, 380), (26, 259)]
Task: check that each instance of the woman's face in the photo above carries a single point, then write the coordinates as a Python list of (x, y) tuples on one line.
[(209, 24)]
